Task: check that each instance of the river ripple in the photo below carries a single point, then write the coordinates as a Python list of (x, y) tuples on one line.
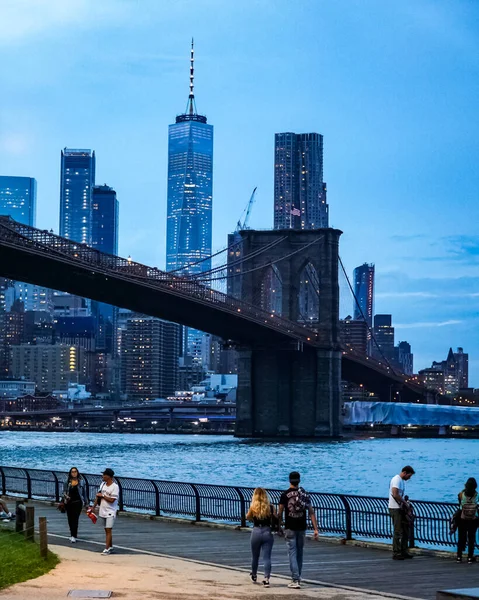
[(352, 467)]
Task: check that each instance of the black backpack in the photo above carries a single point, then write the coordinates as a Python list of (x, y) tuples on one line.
[(469, 508)]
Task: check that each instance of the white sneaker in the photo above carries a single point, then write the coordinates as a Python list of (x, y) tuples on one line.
[(295, 585), (107, 551), (73, 540)]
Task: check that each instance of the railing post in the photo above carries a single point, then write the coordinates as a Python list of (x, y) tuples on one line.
[(242, 507), (120, 498), (157, 499), (42, 522), (197, 503), (19, 515), (412, 537), (4, 484), (87, 488), (29, 530), (57, 487), (347, 509), (29, 484)]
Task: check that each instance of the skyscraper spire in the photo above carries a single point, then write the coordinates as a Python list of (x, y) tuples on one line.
[(191, 98), (190, 113)]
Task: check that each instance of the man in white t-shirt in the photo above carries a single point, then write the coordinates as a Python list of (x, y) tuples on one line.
[(107, 497), (397, 489)]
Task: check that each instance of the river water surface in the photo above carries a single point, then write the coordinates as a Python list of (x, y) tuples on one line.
[(362, 466)]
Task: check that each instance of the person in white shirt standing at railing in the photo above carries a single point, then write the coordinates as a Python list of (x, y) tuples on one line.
[(107, 498), (397, 510)]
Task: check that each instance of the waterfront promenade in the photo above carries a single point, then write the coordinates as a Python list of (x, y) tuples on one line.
[(326, 562)]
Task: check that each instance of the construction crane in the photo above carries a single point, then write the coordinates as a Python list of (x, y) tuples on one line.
[(240, 226)]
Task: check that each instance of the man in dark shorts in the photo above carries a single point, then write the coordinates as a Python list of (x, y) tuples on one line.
[(295, 503)]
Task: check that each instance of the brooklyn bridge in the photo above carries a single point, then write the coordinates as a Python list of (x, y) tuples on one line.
[(290, 367)]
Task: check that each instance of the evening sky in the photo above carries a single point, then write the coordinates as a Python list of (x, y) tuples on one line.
[(393, 86)]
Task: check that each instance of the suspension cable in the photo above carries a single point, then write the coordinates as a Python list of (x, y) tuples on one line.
[(197, 262), (268, 264), (239, 261)]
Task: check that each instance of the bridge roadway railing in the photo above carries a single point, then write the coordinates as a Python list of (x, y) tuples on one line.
[(23, 235), (349, 517), (19, 234)]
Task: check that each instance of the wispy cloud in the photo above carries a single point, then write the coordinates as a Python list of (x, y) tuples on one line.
[(426, 295), (408, 238), (15, 143), (446, 23), (23, 20), (406, 295), (462, 249), (428, 324)]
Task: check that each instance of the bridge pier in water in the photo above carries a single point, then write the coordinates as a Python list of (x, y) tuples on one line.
[(286, 392), (291, 389)]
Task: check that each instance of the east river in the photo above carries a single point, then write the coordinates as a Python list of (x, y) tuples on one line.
[(362, 466)]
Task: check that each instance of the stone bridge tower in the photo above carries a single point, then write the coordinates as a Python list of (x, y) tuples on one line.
[(293, 390)]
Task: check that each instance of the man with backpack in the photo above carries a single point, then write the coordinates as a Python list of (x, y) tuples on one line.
[(400, 511), (295, 503)]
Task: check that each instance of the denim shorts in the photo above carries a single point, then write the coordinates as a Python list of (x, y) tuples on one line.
[(106, 522)]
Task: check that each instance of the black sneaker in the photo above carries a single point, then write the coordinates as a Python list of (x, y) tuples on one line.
[(459, 559), (398, 557), (471, 560), (408, 555), (253, 577), (266, 583)]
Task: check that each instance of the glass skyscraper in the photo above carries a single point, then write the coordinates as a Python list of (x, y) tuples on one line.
[(76, 185), (104, 224), (190, 189), (299, 189), (364, 291), (104, 237), (190, 199), (18, 198)]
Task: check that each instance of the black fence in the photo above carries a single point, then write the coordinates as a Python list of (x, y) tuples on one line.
[(350, 517)]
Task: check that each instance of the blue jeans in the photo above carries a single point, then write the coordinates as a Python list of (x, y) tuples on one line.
[(295, 544), (261, 538)]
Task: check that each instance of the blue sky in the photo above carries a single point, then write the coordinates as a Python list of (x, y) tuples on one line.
[(393, 86)]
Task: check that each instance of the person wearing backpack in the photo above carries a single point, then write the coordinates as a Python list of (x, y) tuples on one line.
[(468, 520), (295, 503)]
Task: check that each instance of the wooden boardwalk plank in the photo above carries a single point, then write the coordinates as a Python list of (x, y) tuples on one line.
[(366, 568)]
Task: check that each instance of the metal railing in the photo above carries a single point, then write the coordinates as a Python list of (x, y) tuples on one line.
[(338, 514)]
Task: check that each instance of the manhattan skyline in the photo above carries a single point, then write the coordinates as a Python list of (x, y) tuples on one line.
[(392, 89)]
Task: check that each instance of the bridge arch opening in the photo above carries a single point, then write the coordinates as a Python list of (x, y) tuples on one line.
[(272, 290), (308, 297)]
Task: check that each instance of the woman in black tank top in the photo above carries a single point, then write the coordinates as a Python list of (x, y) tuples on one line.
[(263, 515), (74, 499)]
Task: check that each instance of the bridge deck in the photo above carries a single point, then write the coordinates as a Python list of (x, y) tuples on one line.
[(366, 568)]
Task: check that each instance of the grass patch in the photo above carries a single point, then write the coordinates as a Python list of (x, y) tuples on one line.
[(21, 560)]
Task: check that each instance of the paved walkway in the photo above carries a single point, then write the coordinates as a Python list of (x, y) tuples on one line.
[(326, 563)]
